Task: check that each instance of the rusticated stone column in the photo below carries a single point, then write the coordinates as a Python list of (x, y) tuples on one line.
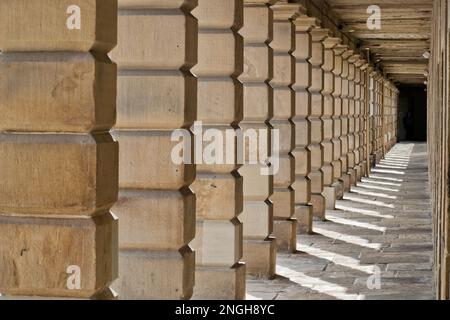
[(363, 120), (351, 171), (373, 116), (345, 178), (317, 153), (387, 134), (368, 119), (391, 114), (257, 217), (283, 44), (356, 119), (383, 116), (378, 121), (219, 239), (58, 161), (390, 123), (302, 185), (156, 95), (330, 188), (337, 123), (395, 114)]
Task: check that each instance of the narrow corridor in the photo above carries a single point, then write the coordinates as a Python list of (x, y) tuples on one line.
[(383, 227)]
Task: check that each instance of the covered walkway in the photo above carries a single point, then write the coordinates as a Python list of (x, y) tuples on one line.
[(224, 149), (381, 228)]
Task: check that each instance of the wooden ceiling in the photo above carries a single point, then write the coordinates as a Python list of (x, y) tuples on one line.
[(399, 45)]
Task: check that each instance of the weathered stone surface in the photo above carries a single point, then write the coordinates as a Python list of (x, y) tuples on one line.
[(219, 187), (133, 53), (29, 26), (50, 246), (161, 100), (59, 163), (140, 165), (134, 265), (258, 108), (39, 167), (157, 94), (209, 240), (72, 92), (142, 210), (229, 279), (260, 254)]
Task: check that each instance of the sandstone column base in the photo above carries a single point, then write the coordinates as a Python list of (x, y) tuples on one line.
[(353, 176), (372, 160), (217, 283), (285, 231), (339, 187), (260, 257), (363, 169), (330, 198), (378, 156), (359, 173), (135, 282), (345, 179), (304, 216), (318, 203)]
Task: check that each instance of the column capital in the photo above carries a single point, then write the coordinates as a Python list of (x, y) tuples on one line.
[(353, 59), (360, 62), (287, 11), (364, 64), (340, 49), (331, 42), (347, 53), (306, 23), (320, 34)]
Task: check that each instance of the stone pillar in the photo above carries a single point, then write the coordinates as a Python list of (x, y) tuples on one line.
[(283, 45), (156, 95), (219, 239), (363, 121), (388, 116), (302, 185), (372, 97), (345, 178), (357, 120), (317, 152), (393, 124), (351, 171), (375, 118), (330, 188), (379, 121), (383, 116), (257, 216), (391, 116), (395, 115), (337, 123), (58, 161)]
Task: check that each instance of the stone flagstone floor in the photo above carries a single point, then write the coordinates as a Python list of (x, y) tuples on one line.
[(380, 230)]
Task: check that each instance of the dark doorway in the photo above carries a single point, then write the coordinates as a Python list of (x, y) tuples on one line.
[(412, 117)]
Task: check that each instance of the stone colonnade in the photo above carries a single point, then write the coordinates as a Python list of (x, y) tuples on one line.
[(185, 229)]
